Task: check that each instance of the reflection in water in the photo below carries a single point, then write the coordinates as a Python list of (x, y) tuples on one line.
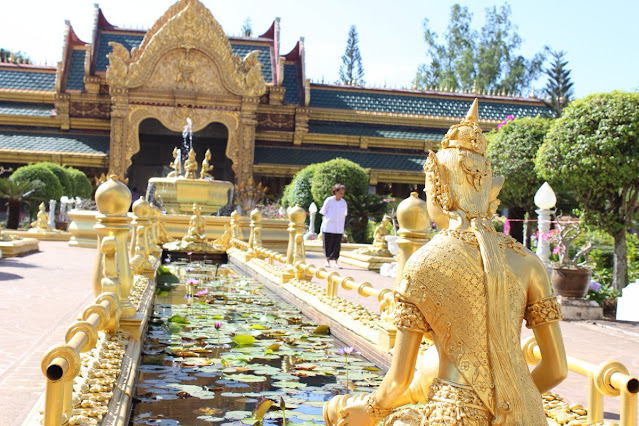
[(266, 349)]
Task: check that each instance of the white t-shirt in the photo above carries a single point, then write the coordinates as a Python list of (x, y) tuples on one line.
[(334, 213)]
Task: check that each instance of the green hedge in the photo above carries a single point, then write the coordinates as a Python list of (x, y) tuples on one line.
[(52, 189), (299, 190), (81, 184), (63, 177), (339, 170)]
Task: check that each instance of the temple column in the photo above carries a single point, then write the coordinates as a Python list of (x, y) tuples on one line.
[(246, 149)]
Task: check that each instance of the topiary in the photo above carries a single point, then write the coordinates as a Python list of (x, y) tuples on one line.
[(339, 170), (299, 190), (62, 175), (81, 184), (52, 189)]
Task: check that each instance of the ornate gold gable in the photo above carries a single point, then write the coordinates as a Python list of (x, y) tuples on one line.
[(185, 67)]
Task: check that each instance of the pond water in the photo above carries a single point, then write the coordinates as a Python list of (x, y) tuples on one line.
[(193, 373)]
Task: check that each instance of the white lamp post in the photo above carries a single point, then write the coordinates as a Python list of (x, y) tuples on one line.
[(311, 235), (52, 214), (545, 199)]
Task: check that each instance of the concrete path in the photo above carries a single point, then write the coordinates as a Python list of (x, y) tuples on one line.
[(42, 294)]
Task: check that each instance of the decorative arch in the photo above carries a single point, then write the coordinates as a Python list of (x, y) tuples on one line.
[(184, 67)]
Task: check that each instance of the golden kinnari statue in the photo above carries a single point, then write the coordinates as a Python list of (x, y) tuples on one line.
[(206, 167), (41, 224), (190, 165), (468, 291), (380, 246)]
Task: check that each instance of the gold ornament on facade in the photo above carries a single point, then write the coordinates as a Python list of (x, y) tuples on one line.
[(470, 299), (248, 194), (190, 165)]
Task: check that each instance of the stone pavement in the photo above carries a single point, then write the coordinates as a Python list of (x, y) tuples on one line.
[(44, 292)]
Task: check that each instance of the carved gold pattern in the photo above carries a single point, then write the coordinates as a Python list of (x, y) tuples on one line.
[(408, 316), (543, 311)]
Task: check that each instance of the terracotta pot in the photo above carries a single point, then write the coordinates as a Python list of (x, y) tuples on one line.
[(571, 282)]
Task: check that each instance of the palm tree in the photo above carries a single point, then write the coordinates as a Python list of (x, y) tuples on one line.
[(360, 208), (17, 192)]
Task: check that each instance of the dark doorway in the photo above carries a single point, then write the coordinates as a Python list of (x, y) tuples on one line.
[(156, 152)]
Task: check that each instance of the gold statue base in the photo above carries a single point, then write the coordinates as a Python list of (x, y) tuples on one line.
[(193, 247), (372, 263), (11, 246)]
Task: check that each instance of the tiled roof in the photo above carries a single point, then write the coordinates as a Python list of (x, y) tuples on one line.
[(306, 156), (127, 40), (421, 105), (398, 132), (290, 82), (24, 108), (75, 78), (27, 80), (133, 40), (54, 142)]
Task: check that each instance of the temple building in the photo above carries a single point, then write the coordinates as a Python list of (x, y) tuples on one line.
[(120, 101)]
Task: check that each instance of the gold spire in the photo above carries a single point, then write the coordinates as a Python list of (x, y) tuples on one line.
[(473, 112), (467, 134)]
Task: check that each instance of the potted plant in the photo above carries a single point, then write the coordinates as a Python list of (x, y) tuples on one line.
[(570, 278)]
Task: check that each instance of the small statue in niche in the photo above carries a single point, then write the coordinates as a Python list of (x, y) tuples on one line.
[(41, 223), (176, 164), (196, 226), (190, 165), (206, 166)]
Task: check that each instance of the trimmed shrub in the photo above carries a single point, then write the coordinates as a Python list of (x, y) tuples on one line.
[(339, 170), (299, 190), (52, 189), (62, 175), (80, 182)]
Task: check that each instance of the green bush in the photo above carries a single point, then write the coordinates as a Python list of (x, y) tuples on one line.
[(80, 182), (52, 189), (299, 190), (339, 170), (362, 208), (62, 175)]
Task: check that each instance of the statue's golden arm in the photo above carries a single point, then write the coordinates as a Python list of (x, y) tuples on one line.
[(394, 389), (553, 367)]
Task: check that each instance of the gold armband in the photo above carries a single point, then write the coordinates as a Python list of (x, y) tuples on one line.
[(374, 410), (543, 311), (408, 316)]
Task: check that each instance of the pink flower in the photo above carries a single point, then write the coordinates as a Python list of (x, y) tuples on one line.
[(192, 281), (202, 292), (347, 350), (217, 325), (189, 253), (507, 227), (556, 250)]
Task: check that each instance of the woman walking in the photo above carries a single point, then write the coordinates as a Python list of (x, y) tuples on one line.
[(334, 211)]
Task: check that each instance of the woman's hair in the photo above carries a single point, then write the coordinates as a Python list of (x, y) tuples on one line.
[(337, 187)]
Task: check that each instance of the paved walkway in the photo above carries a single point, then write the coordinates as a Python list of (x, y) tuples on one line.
[(43, 293)]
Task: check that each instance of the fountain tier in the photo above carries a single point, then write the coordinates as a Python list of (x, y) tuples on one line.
[(178, 194)]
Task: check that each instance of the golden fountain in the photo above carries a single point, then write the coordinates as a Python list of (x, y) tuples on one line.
[(178, 192)]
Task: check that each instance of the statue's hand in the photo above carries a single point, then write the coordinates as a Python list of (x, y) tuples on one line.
[(355, 413)]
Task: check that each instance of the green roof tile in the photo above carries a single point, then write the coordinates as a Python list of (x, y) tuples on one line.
[(54, 142), (421, 105), (75, 79), (398, 132), (306, 156), (291, 96), (27, 80), (133, 40), (24, 108)]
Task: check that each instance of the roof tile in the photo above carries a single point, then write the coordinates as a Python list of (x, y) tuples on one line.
[(75, 79), (27, 80), (25, 108), (54, 142)]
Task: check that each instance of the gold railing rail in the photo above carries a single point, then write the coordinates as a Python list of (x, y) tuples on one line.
[(609, 378), (61, 364)]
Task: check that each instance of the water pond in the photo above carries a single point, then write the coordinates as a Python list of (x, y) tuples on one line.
[(211, 358)]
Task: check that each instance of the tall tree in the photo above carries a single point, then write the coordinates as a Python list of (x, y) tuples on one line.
[(558, 89), (485, 60), (247, 28), (593, 149), (352, 71)]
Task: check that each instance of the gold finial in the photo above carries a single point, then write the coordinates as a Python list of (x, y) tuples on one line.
[(467, 135), (473, 112)]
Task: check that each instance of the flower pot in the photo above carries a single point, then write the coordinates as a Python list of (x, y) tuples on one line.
[(571, 282)]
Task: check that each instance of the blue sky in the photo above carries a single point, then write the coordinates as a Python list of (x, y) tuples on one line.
[(599, 37)]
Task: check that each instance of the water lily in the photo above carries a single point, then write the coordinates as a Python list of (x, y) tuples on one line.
[(346, 351), (192, 282), (217, 326), (202, 292)]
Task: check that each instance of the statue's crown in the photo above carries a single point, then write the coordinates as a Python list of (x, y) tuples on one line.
[(467, 134)]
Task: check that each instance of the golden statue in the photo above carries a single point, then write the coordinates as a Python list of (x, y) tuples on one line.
[(206, 167), (380, 246), (41, 224), (225, 238), (468, 290), (190, 165), (176, 165), (195, 232)]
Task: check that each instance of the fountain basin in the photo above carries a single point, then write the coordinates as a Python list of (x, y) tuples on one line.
[(177, 194)]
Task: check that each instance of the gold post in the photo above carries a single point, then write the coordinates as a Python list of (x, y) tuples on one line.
[(53, 403), (236, 232), (412, 216), (295, 250), (595, 402), (255, 237)]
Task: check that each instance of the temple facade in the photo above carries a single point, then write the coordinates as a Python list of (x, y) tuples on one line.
[(119, 102)]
